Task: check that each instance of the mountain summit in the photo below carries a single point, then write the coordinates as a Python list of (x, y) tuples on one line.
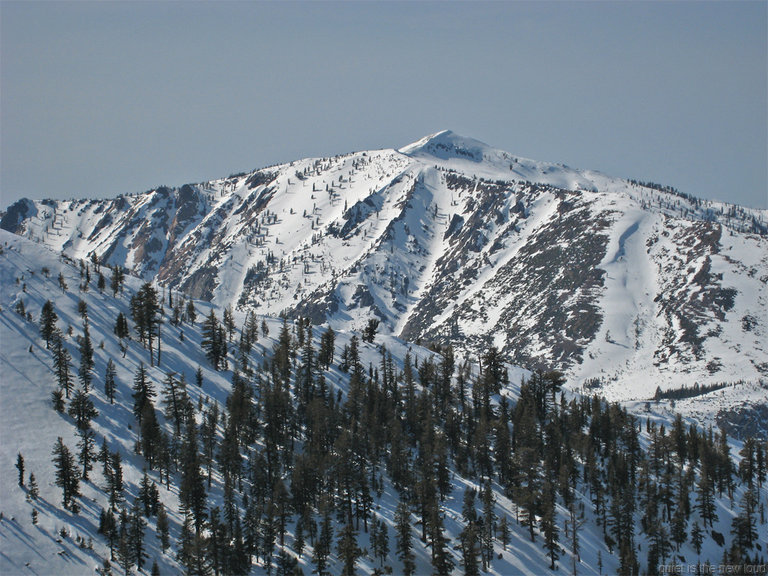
[(625, 284), (445, 145)]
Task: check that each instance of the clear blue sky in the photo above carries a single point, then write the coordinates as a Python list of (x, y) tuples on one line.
[(98, 99)]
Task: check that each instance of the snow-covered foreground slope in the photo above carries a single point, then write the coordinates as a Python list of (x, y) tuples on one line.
[(449, 240), (65, 543)]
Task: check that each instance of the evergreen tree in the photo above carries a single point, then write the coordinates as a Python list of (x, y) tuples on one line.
[(705, 499), (348, 549), (697, 537), (86, 358), (192, 489), (86, 455), (327, 344), (118, 278), (213, 342), (57, 399), (110, 381), (163, 528), (61, 366), (151, 435), (229, 321), (504, 533), (20, 468), (549, 525), (48, 319), (469, 539), (143, 392), (145, 310), (441, 557), (403, 531), (380, 540), (82, 410), (124, 552), (175, 400), (115, 479), (34, 491), (121, 327), (744, 526), (322, 547), (191, 313), (67, 477), (136, 536), (109, 529)]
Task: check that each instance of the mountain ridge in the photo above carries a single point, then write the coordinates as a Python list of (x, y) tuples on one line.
[(450, 240)]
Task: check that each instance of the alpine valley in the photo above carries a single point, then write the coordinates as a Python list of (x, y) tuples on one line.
[(438, 359)]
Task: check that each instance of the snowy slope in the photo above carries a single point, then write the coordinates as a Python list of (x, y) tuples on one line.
[(29, 272), (450, 240)]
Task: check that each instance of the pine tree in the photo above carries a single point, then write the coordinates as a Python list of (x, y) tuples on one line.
[(86, 358), (705, 499), (82, 410), (213, 343), (217, 541), (136, 536), (549, 525), (57, 399), (504, 533), (441, 557), (115, 479), (163, 528), (109, 529), (145, 310), (34, 491), (125, 551), (192, 489), (121, 327), (110, 383), (469, 538), (229, 321), (86, 455), (20, 468), (175, 400), (380, 540), (150, 434), (322, 547), (143, 392), (744, 526), (327, 344), (67, 477), (348, 549), (118, 278), (48, 319), (61, 366), (697, 537), (403, 531)]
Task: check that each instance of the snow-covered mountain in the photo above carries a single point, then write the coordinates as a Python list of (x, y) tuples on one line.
[(629, 286)]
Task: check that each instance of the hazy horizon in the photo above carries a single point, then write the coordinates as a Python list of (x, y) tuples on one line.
[(99, 99)]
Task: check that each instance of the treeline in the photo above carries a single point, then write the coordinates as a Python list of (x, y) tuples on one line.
[(688, 392)]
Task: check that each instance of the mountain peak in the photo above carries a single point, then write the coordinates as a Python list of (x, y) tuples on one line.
[(445, 145)]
